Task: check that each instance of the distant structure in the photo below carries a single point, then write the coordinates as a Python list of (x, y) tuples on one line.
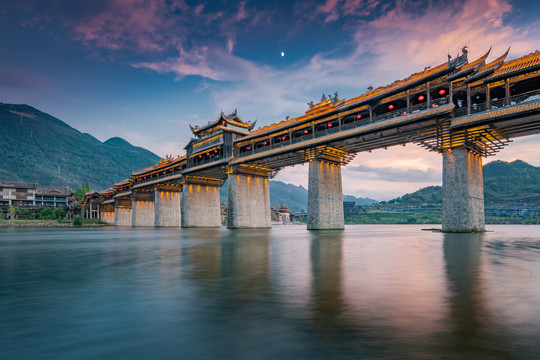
[(31, 195)]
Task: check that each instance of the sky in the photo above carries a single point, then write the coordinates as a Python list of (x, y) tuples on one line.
[(144, 70)]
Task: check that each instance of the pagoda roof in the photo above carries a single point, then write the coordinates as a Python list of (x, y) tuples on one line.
[(232, 119), (469, 67), (517, 66), (163, 163), (488, 69), (123, 182)]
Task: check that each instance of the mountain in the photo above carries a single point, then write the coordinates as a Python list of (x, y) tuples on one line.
[(292, 196), (37, 147), (504, 184)]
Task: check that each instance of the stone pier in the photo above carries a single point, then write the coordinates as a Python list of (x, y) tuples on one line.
[(248, 201), (325, 196), (167, 206), (200, 202), (463, 191), (107, 213), (122, 212), (143, 208)]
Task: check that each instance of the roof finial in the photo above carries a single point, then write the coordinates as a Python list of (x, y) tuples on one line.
[(323, 97)]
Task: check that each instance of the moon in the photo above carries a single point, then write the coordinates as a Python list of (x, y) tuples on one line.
[(282, 54)]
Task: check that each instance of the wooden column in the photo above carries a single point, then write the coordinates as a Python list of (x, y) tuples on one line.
[(468, 99), (488, 97), (506, 92)]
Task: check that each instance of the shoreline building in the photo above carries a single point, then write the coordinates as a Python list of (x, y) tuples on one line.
[(33, 195)]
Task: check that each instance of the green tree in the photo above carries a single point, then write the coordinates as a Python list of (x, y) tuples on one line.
[(47, 213), (1, 213), (11, 212), (78, 221), (80, 192), (21, 213), (59, 213)]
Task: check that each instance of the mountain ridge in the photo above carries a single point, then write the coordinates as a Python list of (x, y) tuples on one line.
[(37, 147)]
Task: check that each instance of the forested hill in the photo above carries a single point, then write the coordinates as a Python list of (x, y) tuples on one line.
[(504, 184), (37, 147)]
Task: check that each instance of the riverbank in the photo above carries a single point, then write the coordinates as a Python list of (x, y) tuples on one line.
[(44, 223)]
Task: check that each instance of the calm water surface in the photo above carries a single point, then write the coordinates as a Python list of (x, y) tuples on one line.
[(369, 292)]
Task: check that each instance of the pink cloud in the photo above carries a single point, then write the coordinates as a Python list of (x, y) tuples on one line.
[(129, 24), (242, 13), (187, 63)]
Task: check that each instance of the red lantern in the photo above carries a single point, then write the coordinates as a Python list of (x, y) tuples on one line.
[(265, 143), (215, 151), (390, 107), (305, 131), (208, 154), (404, 113), (283, 137), (421, 98), (200, 156), (358, 117), (249, 148), (329, 124)]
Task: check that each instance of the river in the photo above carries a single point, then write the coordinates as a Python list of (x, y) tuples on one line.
[(369, 292)]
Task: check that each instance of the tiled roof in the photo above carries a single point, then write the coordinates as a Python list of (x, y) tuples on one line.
[(517, 65), (399, 83), (489, 68), (494, 114), (469, 67)]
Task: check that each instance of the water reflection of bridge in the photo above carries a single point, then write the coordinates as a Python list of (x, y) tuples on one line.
[(385, 296), (462, 110)]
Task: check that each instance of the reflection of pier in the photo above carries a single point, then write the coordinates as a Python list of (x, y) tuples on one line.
[(462, 110), (471, 330), (328, 305)]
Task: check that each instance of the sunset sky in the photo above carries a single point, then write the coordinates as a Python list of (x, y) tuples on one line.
[(144, 70)]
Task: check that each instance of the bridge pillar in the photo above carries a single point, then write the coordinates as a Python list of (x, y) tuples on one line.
[(167, 207), (122, 212), (248, 200), (143, 209), (463, 191), (107, 214), (325, 196), (200, 205)]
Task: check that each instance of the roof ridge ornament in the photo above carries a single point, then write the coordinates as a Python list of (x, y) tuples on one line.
[(460, 59)]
